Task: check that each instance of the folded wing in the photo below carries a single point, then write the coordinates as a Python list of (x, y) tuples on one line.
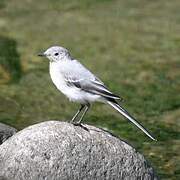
[(94, 87), (86, 81)]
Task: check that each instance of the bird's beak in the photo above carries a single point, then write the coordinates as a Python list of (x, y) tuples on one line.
[(42, 54)]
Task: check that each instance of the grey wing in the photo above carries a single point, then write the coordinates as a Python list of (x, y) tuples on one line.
[(88, 82), (96, 88)]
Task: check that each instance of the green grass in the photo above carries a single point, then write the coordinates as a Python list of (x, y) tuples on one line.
[(133, 46), (9, 59)]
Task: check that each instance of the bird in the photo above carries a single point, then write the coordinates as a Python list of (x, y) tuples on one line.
[(80, 85)]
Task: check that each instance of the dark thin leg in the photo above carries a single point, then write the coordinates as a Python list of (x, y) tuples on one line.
[(84, 113), (74, 117)]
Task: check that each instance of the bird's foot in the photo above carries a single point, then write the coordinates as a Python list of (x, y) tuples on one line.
[(75, 123)]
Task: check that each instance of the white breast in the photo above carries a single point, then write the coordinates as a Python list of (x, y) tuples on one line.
[(57, 77), (73, 93)]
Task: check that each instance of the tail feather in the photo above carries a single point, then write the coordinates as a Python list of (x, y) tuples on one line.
[(130, 118)]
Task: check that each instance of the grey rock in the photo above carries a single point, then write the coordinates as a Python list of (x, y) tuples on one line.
[(56, 150), (6, 131)]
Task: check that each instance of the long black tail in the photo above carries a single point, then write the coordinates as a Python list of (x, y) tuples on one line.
[(129, 117)]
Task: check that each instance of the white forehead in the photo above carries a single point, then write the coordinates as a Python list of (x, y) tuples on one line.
[(54, 49)]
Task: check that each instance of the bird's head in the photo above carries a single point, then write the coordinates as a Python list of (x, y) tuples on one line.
[(55, 54)]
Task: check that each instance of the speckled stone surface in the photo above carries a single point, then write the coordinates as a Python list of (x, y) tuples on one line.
[(6, 131), (56, 150)]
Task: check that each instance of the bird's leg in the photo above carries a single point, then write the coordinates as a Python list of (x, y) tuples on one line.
[(80, 109), (86, 109)]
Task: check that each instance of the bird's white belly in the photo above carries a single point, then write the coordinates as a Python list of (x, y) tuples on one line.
[(77, 95), (73, 93)]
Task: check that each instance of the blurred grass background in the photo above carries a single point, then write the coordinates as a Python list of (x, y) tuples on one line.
[(132, 45)]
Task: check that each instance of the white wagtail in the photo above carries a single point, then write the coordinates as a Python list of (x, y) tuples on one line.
[(80, 85)]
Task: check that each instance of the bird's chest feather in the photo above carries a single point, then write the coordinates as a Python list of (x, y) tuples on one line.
[(57, 77), (72, 92), (59, 81)]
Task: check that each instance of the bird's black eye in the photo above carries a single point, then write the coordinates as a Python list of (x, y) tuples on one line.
[(56, 54)]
